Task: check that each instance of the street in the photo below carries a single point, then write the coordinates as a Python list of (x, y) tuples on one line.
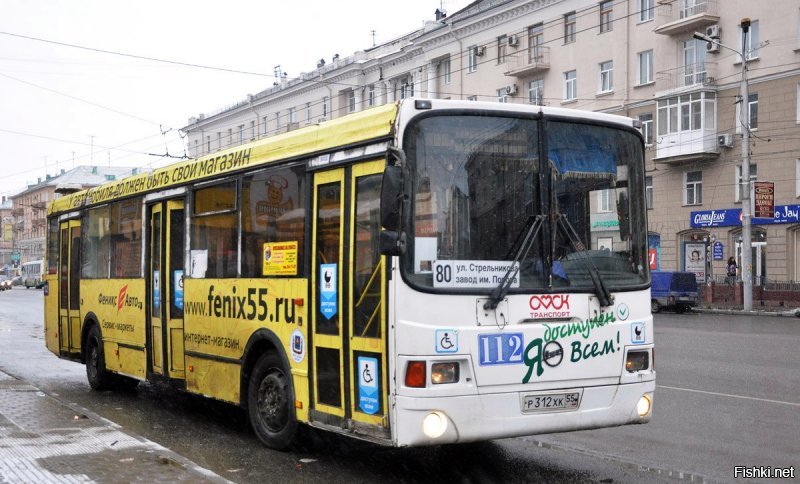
[(728, 395)]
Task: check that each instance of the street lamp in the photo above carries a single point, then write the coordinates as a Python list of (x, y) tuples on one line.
[(747, 257)]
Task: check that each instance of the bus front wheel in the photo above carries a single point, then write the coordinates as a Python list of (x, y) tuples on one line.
[(99, 378), (270, 402)]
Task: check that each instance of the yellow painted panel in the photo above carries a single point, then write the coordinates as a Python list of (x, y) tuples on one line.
[(75, 333), (51, 314), (214, 379), (132, 362), (220, 316), (119, 307), (365, 125), (176, 352)]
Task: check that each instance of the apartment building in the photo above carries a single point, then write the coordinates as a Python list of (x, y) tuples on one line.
[(636, 58)]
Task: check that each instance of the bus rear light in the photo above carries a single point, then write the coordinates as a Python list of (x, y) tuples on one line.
[(415, 374), (637, 361), (444, 372), (298, 404)]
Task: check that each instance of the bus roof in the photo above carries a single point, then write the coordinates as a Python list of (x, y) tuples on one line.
[(365, 125)]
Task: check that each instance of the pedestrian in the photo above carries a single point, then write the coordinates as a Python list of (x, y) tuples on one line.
[(732, 266)]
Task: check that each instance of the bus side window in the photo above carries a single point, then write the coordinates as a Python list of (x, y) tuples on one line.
[(215, 229), (273, 211)]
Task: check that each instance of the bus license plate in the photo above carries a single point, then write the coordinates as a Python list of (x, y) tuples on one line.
[(551, 402)]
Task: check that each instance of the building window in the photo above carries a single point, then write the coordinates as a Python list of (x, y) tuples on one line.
[(739, 189), (446, 71), (264, 125), (606, 16), (535, 43), (502, 96), (797, 178), (472, 98), (241, 134), (230, 136), (752, 111), (607, 76), (570, 85), (536, 92), (278, 120), (219, 140), (645, 67), (325, 107), (647, 128), (693, 188), (208, 144), (292, 115), (751, 47), (351, 101), (569, 27), (604, 201), (371, 95), (694, 62), (646, 10), (686, 113), (252, 129), (648, 192), (472, 59), (308, 112), (406, 88), (502, 46)]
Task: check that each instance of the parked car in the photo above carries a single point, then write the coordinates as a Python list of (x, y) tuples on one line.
[(5, 283), (675, 291)]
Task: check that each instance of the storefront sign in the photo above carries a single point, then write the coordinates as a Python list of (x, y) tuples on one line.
[(764, 201), (732, 217), (718, 251)]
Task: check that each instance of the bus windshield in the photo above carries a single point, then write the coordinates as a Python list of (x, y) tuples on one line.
[(488, 207)]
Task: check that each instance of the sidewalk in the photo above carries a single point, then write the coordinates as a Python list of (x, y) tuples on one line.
[(43, 439)]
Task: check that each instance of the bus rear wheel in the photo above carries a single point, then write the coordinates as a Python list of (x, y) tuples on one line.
[(99, 378), (270, 402)]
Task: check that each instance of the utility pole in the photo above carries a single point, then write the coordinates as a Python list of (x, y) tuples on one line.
[(745, 183)]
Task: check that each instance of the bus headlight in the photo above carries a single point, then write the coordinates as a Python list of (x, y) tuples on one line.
[(444, 372), (637, 361), (434, 425), (644, 405)]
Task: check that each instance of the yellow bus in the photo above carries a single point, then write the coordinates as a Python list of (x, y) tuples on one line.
[(419, 273)]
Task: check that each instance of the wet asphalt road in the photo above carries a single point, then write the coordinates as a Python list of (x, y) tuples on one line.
[(728, 394)]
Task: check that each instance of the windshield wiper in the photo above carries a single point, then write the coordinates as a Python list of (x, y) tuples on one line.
[(605, 297), (533, 225)]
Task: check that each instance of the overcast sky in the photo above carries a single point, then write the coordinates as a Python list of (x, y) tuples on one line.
[(63, 106)]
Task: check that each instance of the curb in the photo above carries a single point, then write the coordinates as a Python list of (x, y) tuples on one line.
[(791, 313)]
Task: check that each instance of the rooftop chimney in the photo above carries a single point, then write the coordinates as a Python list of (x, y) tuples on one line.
[(440, 14)]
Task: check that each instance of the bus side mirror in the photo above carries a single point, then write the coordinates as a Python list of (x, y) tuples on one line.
[(392, 243), (392, 198)]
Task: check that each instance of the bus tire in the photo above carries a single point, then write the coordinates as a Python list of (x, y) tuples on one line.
[(654, 306), (270, 402), (99, 378)]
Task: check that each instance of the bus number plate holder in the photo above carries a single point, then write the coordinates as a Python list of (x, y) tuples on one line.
[(551, 401)]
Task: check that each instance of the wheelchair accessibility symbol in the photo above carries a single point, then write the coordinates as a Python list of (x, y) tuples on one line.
[(446, 340)]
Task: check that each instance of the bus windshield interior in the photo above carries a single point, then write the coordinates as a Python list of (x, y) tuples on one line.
[(486, 205)]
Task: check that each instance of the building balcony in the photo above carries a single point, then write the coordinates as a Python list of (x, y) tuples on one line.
[(39, 222), (676, 18), (687, 146), (529, 61), (685, 78), (39, 205), (18, 212)]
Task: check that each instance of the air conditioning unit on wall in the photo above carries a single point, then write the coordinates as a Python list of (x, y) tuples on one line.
[(725, 140), (511, 89), (513, 40)]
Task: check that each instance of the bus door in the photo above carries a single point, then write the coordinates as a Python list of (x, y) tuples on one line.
[(349, 287), (69, 317), (166, 248)]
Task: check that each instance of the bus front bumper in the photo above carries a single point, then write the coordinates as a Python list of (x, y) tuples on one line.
[(446, 420)]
